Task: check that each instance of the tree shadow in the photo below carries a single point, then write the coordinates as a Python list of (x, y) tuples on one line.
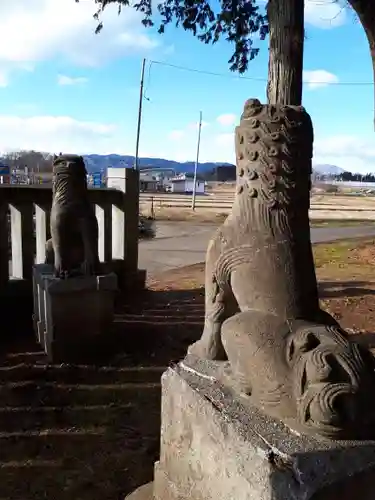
[(341, 289), (160, 327)]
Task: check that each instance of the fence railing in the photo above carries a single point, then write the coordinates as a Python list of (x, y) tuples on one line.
[(25, 214)]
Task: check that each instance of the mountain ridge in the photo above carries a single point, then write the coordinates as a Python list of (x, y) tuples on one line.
[(327, 169), (96, 162)]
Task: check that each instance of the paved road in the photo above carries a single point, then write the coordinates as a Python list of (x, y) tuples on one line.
[(184, 243)]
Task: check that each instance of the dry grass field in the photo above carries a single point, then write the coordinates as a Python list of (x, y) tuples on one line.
[(217, 202)]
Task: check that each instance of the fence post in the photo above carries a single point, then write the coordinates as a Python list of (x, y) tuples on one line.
[(4, 246), (42, 230), (22, 238), (125, 234), (131, 221)]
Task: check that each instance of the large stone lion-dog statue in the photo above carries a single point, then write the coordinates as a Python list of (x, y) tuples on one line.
[(262, 310)]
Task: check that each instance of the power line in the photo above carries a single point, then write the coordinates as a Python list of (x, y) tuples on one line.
[(258, 79), (203, 72)]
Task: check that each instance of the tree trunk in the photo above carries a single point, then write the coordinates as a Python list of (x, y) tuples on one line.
[(285, 65), (365, 10), (285, 71)]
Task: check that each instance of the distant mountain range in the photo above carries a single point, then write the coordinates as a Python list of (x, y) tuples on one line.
[(328, 169), (95, 163)]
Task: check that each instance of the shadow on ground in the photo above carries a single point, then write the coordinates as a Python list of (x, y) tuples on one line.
[(92, 431), (161, 327), (336, 289), (366, 339)]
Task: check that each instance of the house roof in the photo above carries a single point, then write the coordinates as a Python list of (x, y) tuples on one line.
[(147, 178)]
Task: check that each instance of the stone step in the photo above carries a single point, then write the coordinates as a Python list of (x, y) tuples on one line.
[(62, 395), (79, 374), (73, 466), (67, 446), (29, 419)]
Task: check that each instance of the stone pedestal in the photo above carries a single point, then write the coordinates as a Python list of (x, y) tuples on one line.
[(72, 315), (216, 446)]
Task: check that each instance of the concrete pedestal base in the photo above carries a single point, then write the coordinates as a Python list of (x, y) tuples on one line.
[(73, 314), (216, 446)]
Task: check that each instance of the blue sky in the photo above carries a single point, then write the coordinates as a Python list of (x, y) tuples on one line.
[(62, 88)]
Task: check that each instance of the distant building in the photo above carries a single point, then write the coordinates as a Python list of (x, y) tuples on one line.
[(158, 172), (96, 179), (4, 174), (116, 178), (184, 184), (148, 183)]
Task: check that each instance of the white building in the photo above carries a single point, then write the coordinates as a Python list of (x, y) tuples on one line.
[(116, 178), (183, 184)]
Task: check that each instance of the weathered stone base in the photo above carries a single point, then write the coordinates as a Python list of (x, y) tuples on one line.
[(144, 492), (216, 446), (73, 315)]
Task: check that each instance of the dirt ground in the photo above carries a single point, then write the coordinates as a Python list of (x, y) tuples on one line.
[(214, 208), (186, 214), (218, 215), (92, 431)]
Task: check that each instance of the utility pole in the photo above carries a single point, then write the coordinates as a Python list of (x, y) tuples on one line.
[(136, 160), (197, 161)]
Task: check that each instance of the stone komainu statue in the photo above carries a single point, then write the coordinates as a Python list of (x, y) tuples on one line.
[(73, 247), (262, 307)]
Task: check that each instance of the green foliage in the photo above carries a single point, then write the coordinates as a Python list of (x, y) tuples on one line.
[(233, 20)]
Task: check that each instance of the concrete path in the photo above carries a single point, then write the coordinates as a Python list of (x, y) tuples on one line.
[(180, 244)]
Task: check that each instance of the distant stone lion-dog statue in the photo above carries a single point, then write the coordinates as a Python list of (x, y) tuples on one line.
[(73, 247)]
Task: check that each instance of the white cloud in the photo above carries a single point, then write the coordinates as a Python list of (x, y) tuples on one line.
[(226, 120), (32, 31), (325, 13), (26, 107), (213, 148), (319, 78), (225, 140), (195, 125), (6, 69), (54, 133), (350, 152), (3, 79), (169, 50), (176, 135), (69, 80)]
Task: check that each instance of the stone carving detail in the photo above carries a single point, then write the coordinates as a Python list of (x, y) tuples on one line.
[(262, 306), (73, 247), (332, 378)]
